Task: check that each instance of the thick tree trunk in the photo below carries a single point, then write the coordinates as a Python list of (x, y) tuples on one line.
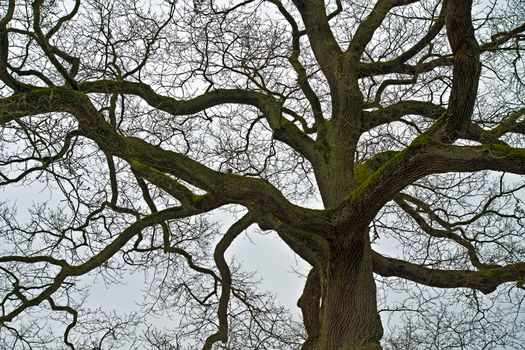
[(348, 317)]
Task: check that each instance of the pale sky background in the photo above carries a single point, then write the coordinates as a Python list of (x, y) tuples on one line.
[(274, 262)]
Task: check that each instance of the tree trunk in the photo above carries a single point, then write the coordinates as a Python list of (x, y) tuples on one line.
[(348, 317)]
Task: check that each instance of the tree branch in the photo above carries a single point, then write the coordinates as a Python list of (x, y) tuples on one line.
[(400, 109), (447, 231), (321, 37), (397, 65), (416, 161), (228, 188), (309, 303), (302, 77), (366, 29), (226, 280), (466, 71), (284, 130), (485, 281)]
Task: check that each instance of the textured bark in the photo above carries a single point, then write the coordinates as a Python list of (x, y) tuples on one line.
[(349, 317), (309, 303), (467, 67)]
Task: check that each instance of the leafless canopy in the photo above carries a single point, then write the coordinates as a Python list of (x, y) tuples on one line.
[(127, 125)]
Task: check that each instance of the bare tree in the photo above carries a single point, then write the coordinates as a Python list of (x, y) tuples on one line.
[(137, 120)]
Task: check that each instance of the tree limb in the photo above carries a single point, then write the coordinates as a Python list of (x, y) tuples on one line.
[(485, 281)]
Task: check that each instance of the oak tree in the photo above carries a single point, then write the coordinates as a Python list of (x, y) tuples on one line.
[(131, 121)]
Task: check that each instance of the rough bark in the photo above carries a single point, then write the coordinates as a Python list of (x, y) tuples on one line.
[(339, 303), (309, 303), (349, 317)]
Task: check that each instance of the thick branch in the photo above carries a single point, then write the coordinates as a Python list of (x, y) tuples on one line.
[(502, 38), (325, 47), (311, 246), (284, 130), (228, 188), (511, 123), (395, 111), (302, 76), (473, 131), (485, 281), (5, 77), (416, 161), (397, 65), (381, 68), (51, 51), (467, 67), (367, 28)]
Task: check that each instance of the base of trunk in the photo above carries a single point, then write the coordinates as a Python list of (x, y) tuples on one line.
[(348, 316)]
